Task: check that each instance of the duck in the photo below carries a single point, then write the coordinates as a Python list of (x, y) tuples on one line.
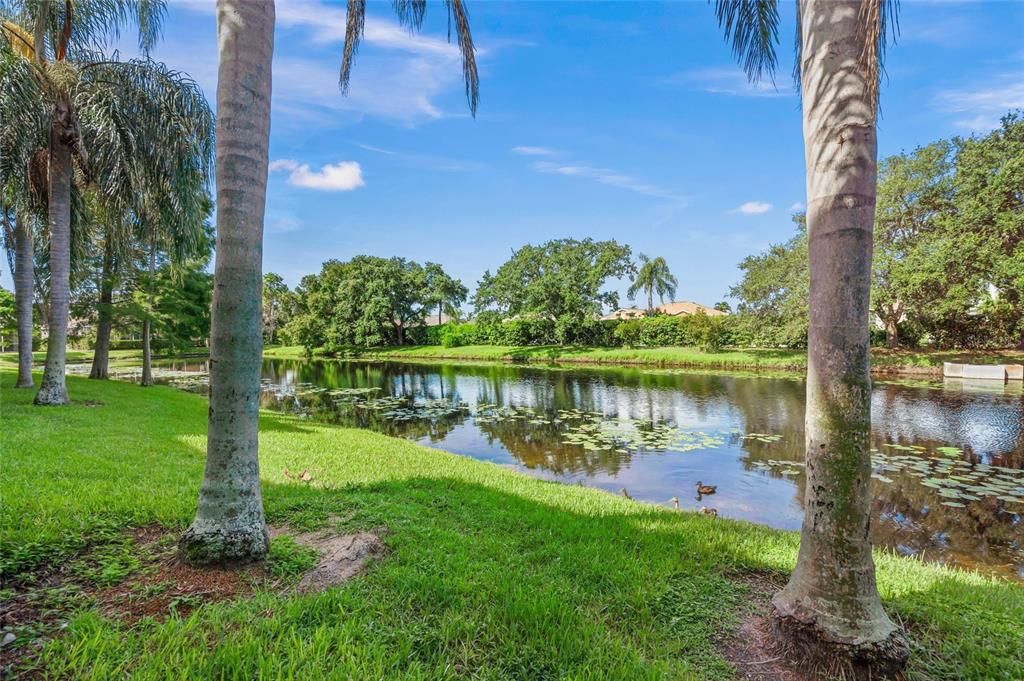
[(713, 512), (624, 493), (703, 489), (675, 502)]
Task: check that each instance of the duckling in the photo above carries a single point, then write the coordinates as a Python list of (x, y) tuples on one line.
[(713, 512), (703, 489)]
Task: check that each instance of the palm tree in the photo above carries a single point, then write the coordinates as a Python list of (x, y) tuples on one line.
[(229, 525), (20, 254), (831, 608), (653, 276), (141, 122)]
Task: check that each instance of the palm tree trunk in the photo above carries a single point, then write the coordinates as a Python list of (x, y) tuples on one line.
[(147, 325), (53, 390), (229, 525), (24, 273), (830, 610), (101, 353)]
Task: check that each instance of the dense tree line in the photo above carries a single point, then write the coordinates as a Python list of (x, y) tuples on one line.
[(948, 265)]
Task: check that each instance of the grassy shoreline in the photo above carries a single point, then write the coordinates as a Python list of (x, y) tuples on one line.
[(904, 362), (488, 572)]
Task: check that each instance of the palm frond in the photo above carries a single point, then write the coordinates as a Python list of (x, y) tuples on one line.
[(878, 20), (410, 13), (753, 28), (457, 12), (151, 137), (69, 27), (355, 21)]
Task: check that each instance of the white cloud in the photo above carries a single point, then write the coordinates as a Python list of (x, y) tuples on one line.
[(983, 106), (606, 176), (797, 207), (533, 151), (339, 177), (727, 81), (753, 208)]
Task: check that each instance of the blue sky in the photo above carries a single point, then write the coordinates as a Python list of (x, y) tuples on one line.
[(623, 120)]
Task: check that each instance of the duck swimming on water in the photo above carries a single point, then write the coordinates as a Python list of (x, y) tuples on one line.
[(703, 489)]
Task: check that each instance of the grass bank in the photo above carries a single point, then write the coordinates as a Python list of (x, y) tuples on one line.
[(489, 573), (884, 361)]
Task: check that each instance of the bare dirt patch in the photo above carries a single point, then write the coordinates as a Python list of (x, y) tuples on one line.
[(751, 647), (340, 556)]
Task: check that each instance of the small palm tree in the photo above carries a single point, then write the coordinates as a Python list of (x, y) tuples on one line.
[(653, 277), (831, 608), (229, 525)]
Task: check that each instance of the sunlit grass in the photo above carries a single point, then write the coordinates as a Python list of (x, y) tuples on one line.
[(490, 574)]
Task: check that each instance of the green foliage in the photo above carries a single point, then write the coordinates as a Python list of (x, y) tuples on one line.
[(287, 558), (948, 269), (278, 306), (366, 301), (8, 318), (653, 277), (560, 282), (773, 292)]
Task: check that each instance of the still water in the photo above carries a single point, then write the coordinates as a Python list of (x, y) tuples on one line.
[(948, 481)]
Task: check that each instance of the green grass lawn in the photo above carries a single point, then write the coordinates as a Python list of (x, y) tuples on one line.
[(883, 360), (489, 574)]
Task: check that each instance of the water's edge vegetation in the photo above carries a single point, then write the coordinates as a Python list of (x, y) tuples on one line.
[(487, 570), (883, 361)]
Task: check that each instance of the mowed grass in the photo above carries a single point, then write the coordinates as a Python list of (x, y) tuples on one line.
[(489, 574), (883, 360)]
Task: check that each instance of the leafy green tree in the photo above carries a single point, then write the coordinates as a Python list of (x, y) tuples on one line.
[(989, 224), (561, 280), (723, 306), (830, 608), (8, 318), (653, 276), (367, 301), (915, 194), (278, 305), (772, 294), (443, 292)]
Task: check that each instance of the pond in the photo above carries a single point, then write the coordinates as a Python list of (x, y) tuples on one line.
[(948, 457)]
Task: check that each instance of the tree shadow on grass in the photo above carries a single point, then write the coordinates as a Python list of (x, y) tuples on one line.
[(655, 586)]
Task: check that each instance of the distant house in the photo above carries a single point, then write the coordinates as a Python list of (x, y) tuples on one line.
[(674, 309), (625, 313)]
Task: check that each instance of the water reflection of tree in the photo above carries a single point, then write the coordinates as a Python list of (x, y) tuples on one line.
[(541, 446)]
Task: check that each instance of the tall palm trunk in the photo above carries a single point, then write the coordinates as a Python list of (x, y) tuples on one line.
[(101, 354), (53, 390), (147, 325), (830, 609), (229, 525), (23, 289)]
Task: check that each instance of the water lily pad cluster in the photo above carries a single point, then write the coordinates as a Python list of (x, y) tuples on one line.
[(788, 469), (594, 432), (766, 438), (954, 480)]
